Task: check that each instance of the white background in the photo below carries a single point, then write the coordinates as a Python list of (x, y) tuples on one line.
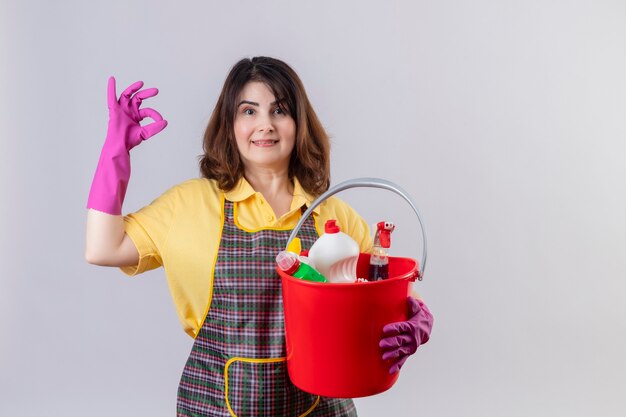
[(503, 119)]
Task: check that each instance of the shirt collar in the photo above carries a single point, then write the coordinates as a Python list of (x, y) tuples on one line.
[(240, 192), (243, 190)]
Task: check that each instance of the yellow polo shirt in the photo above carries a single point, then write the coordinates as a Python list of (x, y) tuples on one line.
[(181, 231)]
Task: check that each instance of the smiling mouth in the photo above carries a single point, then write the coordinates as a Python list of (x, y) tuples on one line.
[(265, 142)]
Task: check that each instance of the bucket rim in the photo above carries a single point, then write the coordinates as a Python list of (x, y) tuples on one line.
[(410, 276)]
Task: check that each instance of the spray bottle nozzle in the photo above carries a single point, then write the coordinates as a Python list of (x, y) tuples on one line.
[(383, 230)]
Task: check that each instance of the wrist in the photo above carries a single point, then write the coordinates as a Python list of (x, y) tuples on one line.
[(118, 137), (113, 150)]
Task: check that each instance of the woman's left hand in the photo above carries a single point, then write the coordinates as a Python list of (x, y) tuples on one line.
[(401, 340)]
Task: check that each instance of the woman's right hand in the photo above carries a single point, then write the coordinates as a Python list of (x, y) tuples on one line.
[(125, 116), (124, 132), (107, 243)]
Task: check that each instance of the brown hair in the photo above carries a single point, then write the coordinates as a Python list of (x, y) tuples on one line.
[(310, 158)]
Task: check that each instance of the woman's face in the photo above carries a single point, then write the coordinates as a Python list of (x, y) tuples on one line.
[(265, 133)]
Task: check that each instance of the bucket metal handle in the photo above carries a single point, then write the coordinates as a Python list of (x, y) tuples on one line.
[(367, 183)]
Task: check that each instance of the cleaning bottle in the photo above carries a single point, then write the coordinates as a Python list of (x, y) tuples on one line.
[(290, 264), (295, 246), (379, 260), (335, 254)]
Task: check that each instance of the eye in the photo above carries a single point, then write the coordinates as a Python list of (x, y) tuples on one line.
[(248, 111), (279, 110)]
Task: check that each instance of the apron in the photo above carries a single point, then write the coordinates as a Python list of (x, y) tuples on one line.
[(237, 363)]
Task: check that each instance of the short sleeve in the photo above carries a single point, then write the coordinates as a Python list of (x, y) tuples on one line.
[(149, 229)]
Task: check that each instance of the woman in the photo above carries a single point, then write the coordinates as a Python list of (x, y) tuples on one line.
[(266, 158)]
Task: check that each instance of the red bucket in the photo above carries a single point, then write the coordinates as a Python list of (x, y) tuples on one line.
[(332, 330)]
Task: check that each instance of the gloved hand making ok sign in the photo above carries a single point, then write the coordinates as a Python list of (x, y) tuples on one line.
[(401, 340), (124, 133)]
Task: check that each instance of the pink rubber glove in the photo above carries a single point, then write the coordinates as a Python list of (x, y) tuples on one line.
[(401, 340), (124, 133)]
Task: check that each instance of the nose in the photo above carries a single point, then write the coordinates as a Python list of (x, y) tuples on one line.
[(265, 124)]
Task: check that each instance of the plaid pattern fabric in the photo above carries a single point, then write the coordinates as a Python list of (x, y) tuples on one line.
[(236, 366)]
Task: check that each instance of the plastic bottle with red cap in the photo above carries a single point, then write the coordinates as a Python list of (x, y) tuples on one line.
[(335, 254)]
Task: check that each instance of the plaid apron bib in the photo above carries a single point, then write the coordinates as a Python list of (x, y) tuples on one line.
[(237, 363)]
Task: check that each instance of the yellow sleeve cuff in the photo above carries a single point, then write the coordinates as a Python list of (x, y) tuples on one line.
[(148, 258)]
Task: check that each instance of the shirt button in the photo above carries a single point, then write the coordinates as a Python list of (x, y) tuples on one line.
[(270, 218)]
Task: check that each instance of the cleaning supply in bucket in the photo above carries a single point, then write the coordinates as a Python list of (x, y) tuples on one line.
[(379, 261), (335, 254), (291, 265), (295, 246)]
